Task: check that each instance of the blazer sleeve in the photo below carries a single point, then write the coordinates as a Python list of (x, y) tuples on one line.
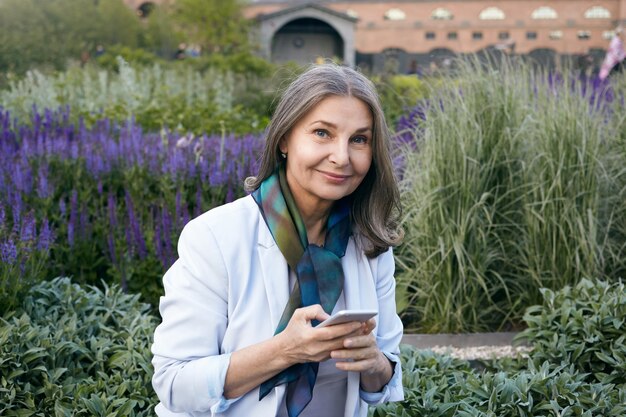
[(189, 369), (389, 329)]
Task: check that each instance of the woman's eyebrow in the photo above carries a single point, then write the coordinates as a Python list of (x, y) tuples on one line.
[(334, 126)]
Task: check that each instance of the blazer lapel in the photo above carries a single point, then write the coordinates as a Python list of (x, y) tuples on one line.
[(352, 293), (275, 273), (351, 287)]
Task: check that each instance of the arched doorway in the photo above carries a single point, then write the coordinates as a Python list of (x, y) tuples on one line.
[(306, 39)]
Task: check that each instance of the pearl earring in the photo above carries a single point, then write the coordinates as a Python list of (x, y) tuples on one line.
[(284, 155)]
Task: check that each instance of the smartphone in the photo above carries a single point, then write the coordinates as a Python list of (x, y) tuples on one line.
[(345, 316)]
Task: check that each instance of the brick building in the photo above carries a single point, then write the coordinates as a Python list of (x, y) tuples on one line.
[(370, 33)]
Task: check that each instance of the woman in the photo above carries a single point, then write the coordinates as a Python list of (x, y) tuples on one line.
[(256, 275), (615, 55)]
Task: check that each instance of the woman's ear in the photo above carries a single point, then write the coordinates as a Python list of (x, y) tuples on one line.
[(282, 145)]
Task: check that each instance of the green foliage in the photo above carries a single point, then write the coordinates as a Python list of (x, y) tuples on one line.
[(172, 96), (46, 33), (215, 25), (13, 282), (136, 57), (584, 325), (116, 200), (159, 34), (505, 191), (439, 386), (616, 180), (69, 351), (244, 63), (576, 366), (399, 93)]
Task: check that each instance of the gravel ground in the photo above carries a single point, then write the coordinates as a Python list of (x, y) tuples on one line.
[(482, 352)]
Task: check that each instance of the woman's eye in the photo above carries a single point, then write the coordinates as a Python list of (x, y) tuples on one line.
[(360, 139), (321, 133)]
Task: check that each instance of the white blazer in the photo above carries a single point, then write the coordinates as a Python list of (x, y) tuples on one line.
[(227, 291)]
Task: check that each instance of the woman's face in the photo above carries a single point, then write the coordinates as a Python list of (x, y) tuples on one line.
[(329, 151)]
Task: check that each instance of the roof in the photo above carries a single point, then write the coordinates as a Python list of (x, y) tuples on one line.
[(322, 9)]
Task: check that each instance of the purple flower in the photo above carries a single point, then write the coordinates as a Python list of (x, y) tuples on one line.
[(2, 218), (230, 194), (112, 225), (166, 239), (137, 239), (46, 236), (8, 252), (43, 190), (85, 227), (71, 225), (111, 204), (16, 209), (111, 247), (29, 228), (198, 208), (178, 212), (62, 207)]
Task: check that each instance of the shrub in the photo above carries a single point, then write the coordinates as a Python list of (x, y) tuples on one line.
[(24, 253), (62, 30), (584, 325), (157, 96), (437, 385), (429, 382), (505, 188), (576, 366), (137, 57), (399, 93), (115, 198), (71, 351)]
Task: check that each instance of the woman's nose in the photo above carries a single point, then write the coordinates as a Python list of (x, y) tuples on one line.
[(340, 152)]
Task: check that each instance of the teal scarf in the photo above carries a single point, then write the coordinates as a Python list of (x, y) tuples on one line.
[(318, 269)]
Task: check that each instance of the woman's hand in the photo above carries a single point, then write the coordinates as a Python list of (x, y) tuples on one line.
[(300, 342), (360, 353)]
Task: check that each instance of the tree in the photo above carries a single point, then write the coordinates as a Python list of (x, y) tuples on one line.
[(215, 25), (46, 33)]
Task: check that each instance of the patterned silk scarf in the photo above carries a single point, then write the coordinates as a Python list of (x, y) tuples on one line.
[(318, 269)]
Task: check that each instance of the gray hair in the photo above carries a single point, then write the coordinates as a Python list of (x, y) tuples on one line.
[(376, 206)]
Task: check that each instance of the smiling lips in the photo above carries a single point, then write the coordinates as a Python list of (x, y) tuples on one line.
[(336, 178)]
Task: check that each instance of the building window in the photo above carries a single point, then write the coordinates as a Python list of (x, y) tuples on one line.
[(597, 12), (430, 35), (531, 35), (477, 35), (544, 13), (608, 34), (556, 35), (453, 36), (492, 13), (441, 14), (503, 36), (584, 35), (395, 14)]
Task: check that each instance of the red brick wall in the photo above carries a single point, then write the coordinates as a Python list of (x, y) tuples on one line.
[(374, 33)]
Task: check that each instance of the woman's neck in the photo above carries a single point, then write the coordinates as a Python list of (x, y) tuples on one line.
[(315, 220)]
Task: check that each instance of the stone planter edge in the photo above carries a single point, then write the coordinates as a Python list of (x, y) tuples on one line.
[(464, 340)]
